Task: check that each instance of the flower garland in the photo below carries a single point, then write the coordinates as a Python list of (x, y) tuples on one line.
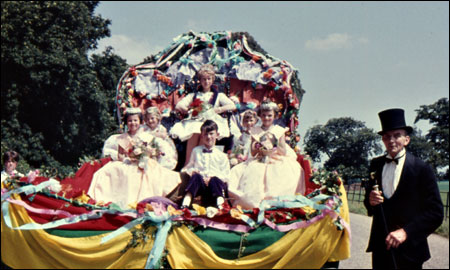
[(276, 73)]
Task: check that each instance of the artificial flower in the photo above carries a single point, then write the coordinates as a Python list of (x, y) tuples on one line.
[(268, 74), (133, 205), (200, 209), (272, 84), (256, 58), (236, 212), (83, 198), (211, 211), (174, 212), (198, 107), (133, 71), (32, 175)]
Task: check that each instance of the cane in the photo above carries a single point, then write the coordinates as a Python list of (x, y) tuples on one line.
[(375, 187)]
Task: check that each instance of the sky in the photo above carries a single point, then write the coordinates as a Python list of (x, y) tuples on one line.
[(355, 59)]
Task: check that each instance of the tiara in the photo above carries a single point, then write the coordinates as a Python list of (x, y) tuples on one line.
[(153, 110), (268, 105), (249, 112), (133, 110)]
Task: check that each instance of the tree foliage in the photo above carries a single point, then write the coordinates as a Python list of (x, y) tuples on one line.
[(347, 143), (438, 116), (55, 102)]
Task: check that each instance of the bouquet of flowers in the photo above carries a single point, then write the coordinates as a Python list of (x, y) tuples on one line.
[(329, 182), (266, 146), (141, 151), (198, 107), (236, 155)]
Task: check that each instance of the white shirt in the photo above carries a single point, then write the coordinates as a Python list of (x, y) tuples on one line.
[(391, 174), (208, 164)]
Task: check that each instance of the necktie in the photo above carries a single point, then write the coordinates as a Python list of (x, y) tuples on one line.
[(205, 150), (389, 160)]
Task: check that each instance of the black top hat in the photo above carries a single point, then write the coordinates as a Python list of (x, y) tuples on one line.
[(393, 119)]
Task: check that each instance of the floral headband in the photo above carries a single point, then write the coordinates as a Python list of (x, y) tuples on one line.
[(250, 113), (133, 110), (153, 111)]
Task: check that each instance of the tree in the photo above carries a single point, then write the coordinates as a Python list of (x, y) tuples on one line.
[(346, 142), (438, 115), (54, 103), (419, 145), (109, 67)]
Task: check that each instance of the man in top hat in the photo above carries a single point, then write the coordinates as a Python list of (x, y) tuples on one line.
[(403, 198)]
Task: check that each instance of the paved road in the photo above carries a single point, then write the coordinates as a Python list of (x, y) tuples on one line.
[(360, 226)]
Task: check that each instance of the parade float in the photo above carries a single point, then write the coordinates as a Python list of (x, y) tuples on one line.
[(52, 223)]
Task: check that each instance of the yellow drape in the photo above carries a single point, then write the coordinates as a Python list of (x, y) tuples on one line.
[(309, 247), (38, 249)]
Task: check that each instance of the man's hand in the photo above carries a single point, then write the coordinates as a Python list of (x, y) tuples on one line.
[(375, 198), (396, 238)]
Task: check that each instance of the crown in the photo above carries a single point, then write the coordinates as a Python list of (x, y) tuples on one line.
[(133, 110)]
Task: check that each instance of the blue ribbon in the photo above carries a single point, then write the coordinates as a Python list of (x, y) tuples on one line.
[(158, 245), (29, 189)]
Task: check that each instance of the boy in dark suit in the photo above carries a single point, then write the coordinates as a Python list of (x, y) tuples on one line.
[(407, 207)]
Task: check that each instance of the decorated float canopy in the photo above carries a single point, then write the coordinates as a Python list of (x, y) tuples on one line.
[(244, 72)]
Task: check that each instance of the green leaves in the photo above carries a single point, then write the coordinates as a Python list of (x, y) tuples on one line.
[(56, 104), (346, 142), (437, 115)]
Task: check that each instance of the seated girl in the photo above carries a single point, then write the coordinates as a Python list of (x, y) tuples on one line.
[(205, 104), (10, 159), (243, 142), (272, 171), (136, 175), (153, 126)]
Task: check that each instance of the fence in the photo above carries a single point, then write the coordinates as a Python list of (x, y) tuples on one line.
[(356, 193)]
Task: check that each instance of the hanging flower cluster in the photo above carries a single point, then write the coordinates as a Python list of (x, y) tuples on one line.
[(162, 78), (329, 182)]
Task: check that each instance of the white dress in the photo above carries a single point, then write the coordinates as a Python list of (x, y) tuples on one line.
[(170, 157), (124, 183), (253, 181), (111, 147), (187, 127)]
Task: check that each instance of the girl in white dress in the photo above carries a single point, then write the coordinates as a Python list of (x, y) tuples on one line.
[(153, 126), (272, 171), (205, 104), (134, 177), (249, 120)]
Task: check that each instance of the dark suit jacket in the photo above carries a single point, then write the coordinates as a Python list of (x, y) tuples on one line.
[(415, 206)]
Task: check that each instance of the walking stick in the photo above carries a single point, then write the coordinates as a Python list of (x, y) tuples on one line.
[(394, 261)]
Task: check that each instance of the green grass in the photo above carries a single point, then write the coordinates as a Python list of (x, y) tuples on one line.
[(443, 229), (357, 208), (443, 186)]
